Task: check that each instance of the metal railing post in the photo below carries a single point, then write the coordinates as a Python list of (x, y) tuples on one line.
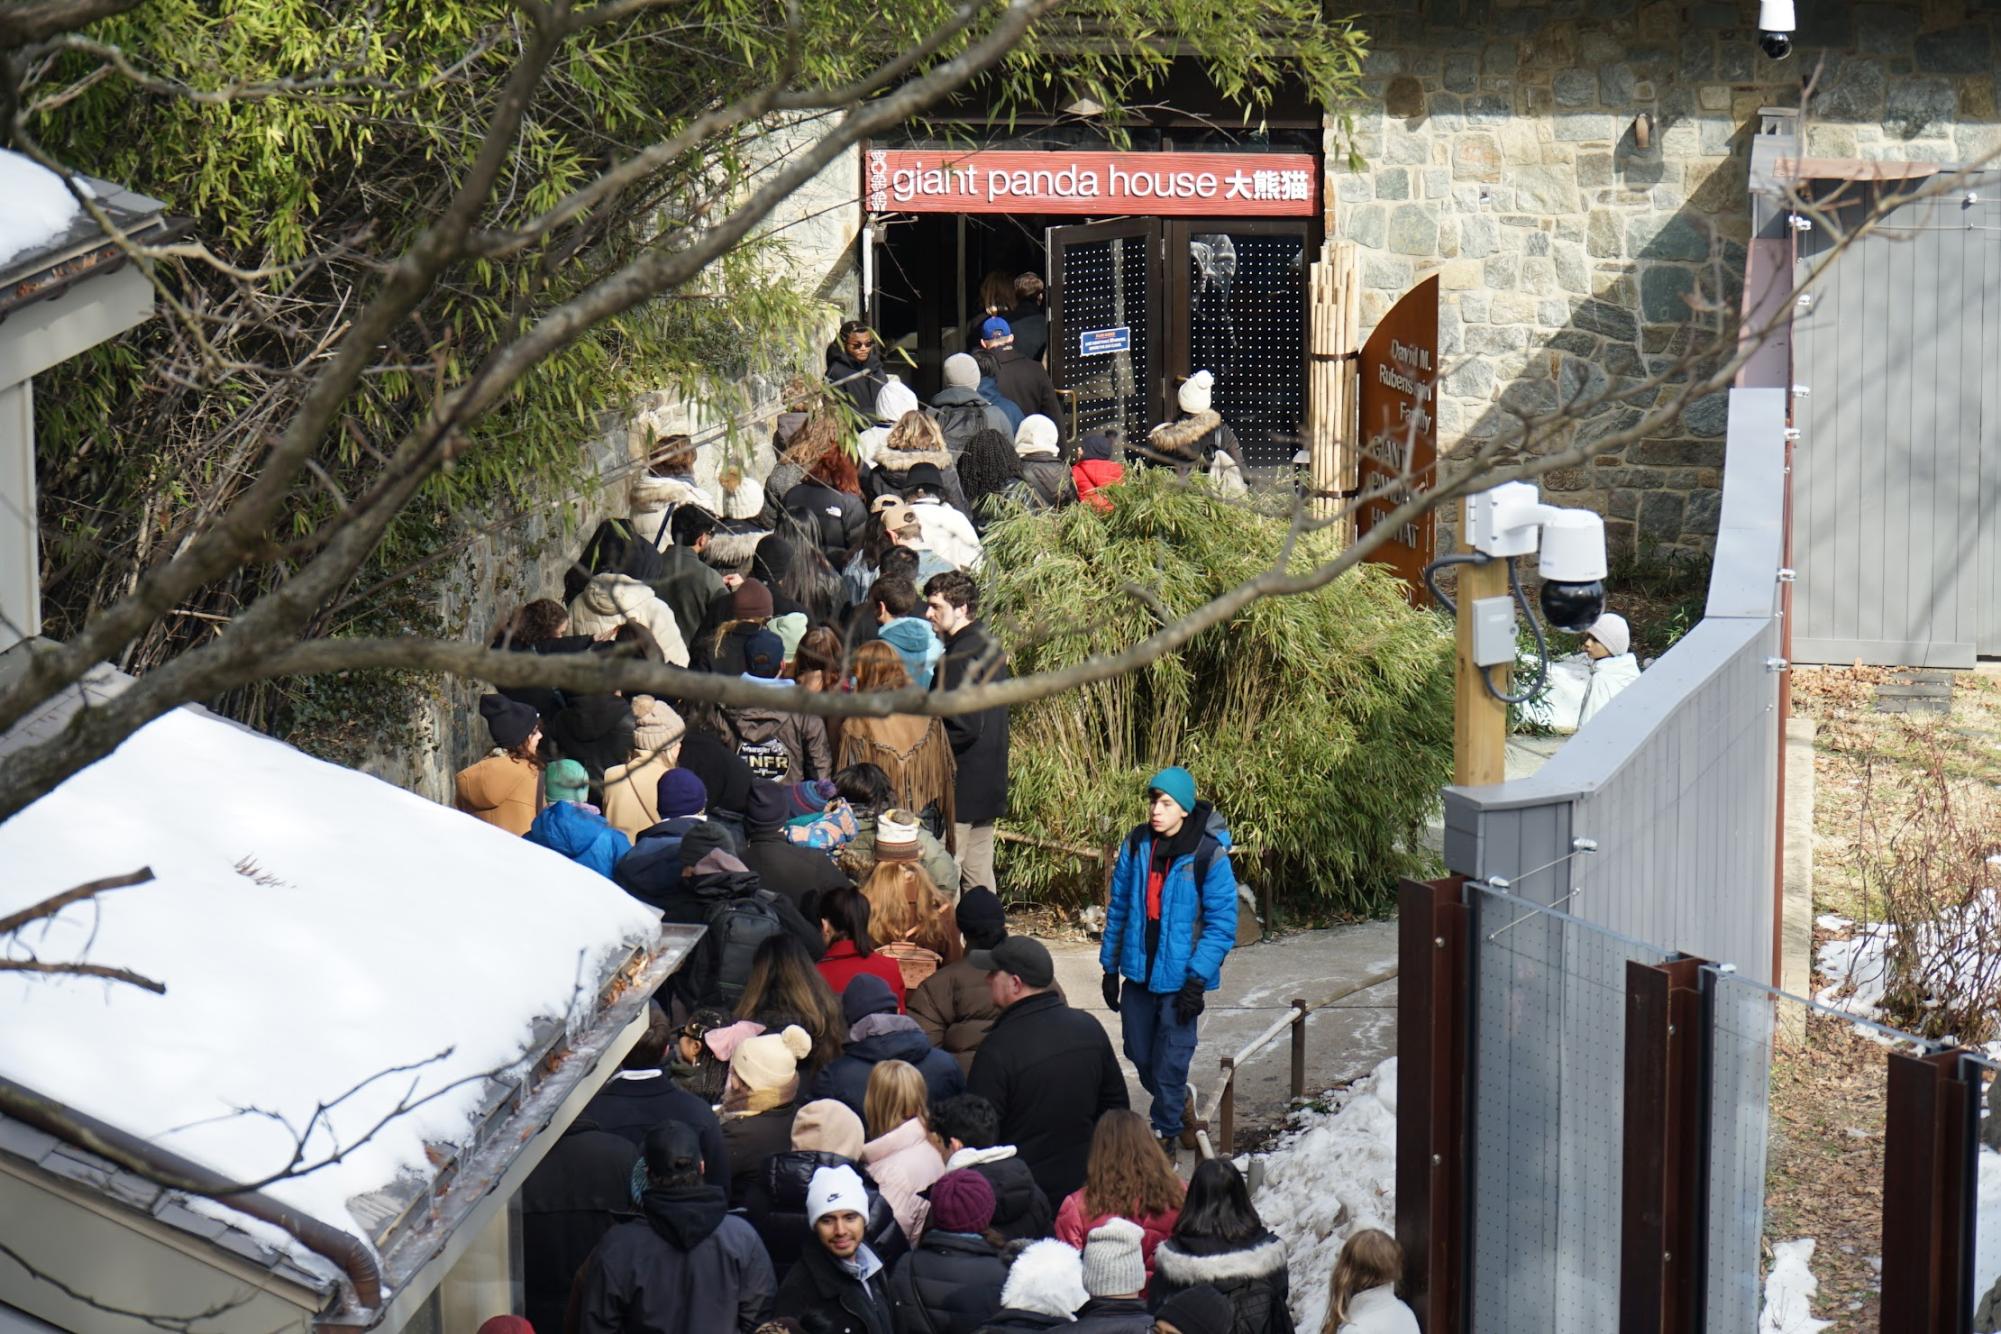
[(1229, 1113), (1926, 1147), (1299, 1048)]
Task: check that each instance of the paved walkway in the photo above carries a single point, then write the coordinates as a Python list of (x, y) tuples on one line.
[(1344, 1042)]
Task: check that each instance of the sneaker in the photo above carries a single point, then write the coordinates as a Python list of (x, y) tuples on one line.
[(1170, 1146)]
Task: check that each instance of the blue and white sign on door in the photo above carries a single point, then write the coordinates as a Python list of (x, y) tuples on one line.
[(1100, 342)]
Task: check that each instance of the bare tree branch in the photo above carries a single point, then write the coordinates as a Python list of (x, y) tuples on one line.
[(55, 903)]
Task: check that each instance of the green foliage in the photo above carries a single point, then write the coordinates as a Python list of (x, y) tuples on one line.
[(1661, 593), (1320, 725)]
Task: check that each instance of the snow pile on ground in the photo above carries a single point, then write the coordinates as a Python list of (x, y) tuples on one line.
[(1952, 948), (1856, 968), (1789, 1291), (39, 206), (314, 927), (1332, 1175)]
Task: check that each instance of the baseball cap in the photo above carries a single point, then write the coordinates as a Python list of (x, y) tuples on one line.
[(1020, 955), (996, 327)]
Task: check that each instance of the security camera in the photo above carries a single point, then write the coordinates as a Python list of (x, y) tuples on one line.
[(1775, 28), (1511, 520)]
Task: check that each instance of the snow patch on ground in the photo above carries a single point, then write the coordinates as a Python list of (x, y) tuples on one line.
[(1789, 1291), (1856, 968), (314, 927), (39, 206), (1332, 1175)]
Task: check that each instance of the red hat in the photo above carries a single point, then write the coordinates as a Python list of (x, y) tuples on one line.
[(962, 1201)]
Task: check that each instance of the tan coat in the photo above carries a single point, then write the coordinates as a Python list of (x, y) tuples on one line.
[(501, 790), (632, 794), (912, 752)]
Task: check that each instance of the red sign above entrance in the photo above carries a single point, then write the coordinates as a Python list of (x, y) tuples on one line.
[(1237, 185)]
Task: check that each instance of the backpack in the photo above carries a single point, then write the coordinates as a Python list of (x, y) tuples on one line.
[(958, 423), (913, 960), (767, 759), (736, 927)]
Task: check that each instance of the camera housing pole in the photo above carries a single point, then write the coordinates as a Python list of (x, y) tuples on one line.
[(1479, 721)]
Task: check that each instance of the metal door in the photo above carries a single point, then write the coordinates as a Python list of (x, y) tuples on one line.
[(1237, 302), (1105, 316)]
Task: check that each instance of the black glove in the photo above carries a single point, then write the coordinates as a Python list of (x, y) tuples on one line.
[(1111, 990), (1188, 1001)]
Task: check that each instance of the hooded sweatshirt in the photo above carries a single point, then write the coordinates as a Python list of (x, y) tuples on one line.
[(611, 600), (763, 735), (687, 1264)]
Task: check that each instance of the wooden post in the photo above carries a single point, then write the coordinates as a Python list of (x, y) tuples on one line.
[(1479, 721), (1228, 1144), (1928, 1150), (1299, 1047), (1433, 1073), (1663, 1191)]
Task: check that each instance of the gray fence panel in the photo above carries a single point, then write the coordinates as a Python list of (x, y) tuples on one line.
[(1740, 1066), (1896, 475)]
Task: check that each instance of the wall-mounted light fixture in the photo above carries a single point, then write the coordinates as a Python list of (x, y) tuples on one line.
[(1643, 130)]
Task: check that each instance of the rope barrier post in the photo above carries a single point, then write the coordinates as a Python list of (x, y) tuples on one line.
[(1300, 1012), (1229, 1113)]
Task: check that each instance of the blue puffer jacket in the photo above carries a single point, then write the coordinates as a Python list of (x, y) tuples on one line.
[(1198, 925), (580, 835)]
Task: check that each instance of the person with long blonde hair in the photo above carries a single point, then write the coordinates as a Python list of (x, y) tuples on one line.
[(910, 915), (1363, 1297), (902, 1156), (913, 752), (1128, 1176)]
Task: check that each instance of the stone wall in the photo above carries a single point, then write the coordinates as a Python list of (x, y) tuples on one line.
[(1502, 155)]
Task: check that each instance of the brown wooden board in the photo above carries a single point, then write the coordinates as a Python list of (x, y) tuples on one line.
[(1399, 430), (1431, 1137)]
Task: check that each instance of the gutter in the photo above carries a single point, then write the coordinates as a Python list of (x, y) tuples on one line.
[(126, 1150)]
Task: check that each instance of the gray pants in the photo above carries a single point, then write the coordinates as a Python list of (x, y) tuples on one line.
[(976, 855)]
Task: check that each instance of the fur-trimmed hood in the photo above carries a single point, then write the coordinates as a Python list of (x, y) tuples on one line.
[(1182, 439), (1185, 1268), (902, 460), (659, 494), (1047, 1278)]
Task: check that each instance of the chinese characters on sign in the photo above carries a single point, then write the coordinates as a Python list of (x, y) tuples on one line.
[(1399, 427), (1149, 184)]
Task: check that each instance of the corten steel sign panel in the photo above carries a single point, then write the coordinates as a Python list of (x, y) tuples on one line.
[(1235, 185), (1399, 426)]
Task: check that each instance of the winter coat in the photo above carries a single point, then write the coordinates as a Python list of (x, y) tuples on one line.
[(1050, 1072), (947, 531), (891, 1037), (582, 836), (724, 777), (800, 874), (859, 381), (1021, 1210), (686, 1265), (747, 728), (1044, 1285), (836, 519), (1074, 1222), (615, 547), (651, 872), (818, 1282), (1609, 675), (949, 1285), (1112, 1315), (575, 1195), (725, 656), (962, 414), (718, 879), (990, 390), (1191, 441), (651, 502), (1029, 323), (1049, 483), (857, 855), (502, 790), (632, 795), (752, 1138), (1010, 1321), (892, 466), (774, 1199), (1023, 380), (545, 700), (631, 1107), (1198, 924), (594, 730), (1091, 475), (1378, 1311), (979, 740), (1252, 1274), (955, 1009), (694, 591), (903, 1163), (841, 965), (611, 600), (913, 752)]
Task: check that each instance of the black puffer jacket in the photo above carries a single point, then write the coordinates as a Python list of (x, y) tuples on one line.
[(846, 1076), (949, 1285), (1021, 1211), (836, 519), (686, 1265), (774, 1200), (1252, 1274)]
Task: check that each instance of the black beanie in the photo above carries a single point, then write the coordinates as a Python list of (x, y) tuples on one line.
[(981, 920), (672, 1149), (866, 994), (701, 840), (508, 720), (770, 804)]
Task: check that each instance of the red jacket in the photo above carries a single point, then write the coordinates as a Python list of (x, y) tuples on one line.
[(841, 965), (1072, 1226), (1090, 474)]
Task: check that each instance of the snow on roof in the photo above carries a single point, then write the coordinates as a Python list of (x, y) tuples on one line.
[(315, 928), (38, 207)]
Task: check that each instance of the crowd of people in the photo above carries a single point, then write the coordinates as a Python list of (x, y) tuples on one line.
[(863, 1103)]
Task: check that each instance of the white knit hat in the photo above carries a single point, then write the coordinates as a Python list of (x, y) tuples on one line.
[(962, 372), (771, 1060), (747, 501), (835, 1190), (1612, 631), (1195, 391), (1035, 436), (1112, 1263), (1046, 1278), (893, 400)]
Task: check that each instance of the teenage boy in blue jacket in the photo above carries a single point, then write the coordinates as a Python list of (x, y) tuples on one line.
[(1171, 920)]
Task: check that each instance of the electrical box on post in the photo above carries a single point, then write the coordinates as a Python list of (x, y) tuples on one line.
[(1493, 632)]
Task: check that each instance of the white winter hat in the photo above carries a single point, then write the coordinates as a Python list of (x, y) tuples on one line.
[(962, 372), (1612, 631), (835, 1190), (1195, 391), (1046, 1278), (747, 501), (771, 1060), (894, 399), (1036, 435), (1112, 1263)]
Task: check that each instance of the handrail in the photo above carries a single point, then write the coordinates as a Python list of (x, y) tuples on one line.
[(1222, 1104)]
